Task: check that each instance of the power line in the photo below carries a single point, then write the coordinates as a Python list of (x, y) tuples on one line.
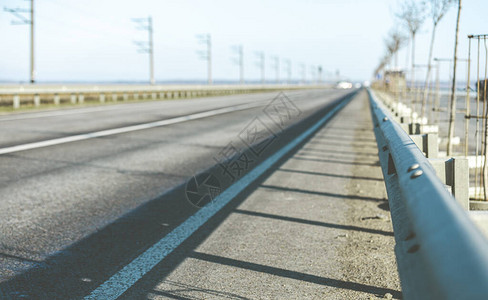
[(207, 39), (22, 20), (146, 46)]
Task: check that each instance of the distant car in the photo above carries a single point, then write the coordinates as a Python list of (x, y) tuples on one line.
[(344, 85)]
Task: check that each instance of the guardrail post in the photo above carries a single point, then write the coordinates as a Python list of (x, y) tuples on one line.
[(428, 128), (73, 98), (81, 98), (404, 119), (454, 172), (428, 143), (458, 175), (125, 96), (37, 100), (102, 98), (414, 128), (57, 99), (136, 96), (16, 101), (114, 97), (154, 96)]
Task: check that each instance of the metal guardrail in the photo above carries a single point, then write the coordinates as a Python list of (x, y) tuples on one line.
[(440, 253), (37, 95)]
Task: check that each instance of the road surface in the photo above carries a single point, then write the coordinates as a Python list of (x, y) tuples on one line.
[(87, 191)]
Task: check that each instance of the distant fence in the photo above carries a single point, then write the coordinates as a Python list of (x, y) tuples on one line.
[(36, 96)]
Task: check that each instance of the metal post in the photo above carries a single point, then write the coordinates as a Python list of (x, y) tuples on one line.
[(277, 68), (239, 61), (32, 70), (241, 64), (22, 20), (437, 97), (209, 59), (468, 102), (147, 46), (151, 50), (261, 65)]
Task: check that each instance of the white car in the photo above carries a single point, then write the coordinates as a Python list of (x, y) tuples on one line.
[(343, 85)]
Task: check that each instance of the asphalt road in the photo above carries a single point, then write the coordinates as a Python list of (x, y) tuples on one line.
[(75, 212), (316, 227)]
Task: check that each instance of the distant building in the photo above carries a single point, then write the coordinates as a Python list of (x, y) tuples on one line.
[(394, 80)]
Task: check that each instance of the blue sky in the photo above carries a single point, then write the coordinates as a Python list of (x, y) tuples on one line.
[(92, 40)]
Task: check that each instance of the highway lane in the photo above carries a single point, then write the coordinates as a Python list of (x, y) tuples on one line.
[(30, 127), (55, 197)]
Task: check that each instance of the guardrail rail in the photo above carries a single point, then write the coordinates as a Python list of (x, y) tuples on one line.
[(16, 96), (440, 252)]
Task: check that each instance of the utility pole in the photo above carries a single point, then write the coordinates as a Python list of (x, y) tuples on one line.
[(319, 69), (287, 62), (207, 39), (22, 20), (261, 65), (313, 74), (146, 46), (276, 65), (240, 61)]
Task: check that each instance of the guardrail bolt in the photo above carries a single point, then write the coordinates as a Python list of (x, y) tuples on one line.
[(413, 167), (385, 119), (416, 174), (414, 248), (410, 236), (385, 148)]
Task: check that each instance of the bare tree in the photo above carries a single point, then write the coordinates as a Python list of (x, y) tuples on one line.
[(394, 42), (438, 8), (452, 116), (412, 16), (383, 62)]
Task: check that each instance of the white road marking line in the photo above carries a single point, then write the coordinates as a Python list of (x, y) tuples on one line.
[(96, 134), (68, 112), (116, 285)]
